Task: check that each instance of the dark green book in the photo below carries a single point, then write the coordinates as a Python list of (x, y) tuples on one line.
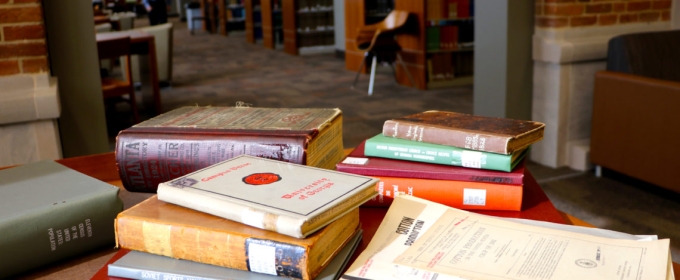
[(433, 38), (395, 148), (49, 212)]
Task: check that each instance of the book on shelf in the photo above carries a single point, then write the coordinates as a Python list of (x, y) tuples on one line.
[(448, 9), (162, 228), (482, 133), (141, 265), (357, 162), (290, 199), (402, 149), (420, 239), (49, 212), (187, 139)]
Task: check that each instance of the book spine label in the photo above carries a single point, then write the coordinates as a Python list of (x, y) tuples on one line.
[(51, 234), (444, 136), (145, 160), (274, 258), (381, 146), (461, 195)]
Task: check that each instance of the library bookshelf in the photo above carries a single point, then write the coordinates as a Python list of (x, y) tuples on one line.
[(231, 16), (437, 45), (445, 61), (308, 26), (272, 26), (253, 20)]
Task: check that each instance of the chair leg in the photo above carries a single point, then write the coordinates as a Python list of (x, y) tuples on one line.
[(356, 78), (133, 106), (394, 71), (372, 81), (406, 70)]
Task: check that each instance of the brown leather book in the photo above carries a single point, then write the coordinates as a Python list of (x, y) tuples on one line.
[(187, 139), (480, 133), (161, 228)]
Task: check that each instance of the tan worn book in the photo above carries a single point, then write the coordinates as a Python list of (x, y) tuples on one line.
[(161, 228), (187, 139), (480, 133), (290, 199)]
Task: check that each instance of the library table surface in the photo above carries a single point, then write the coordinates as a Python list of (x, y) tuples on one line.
[(536, 205), (142, 43)]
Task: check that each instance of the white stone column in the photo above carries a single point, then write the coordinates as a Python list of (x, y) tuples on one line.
[(565, 61)]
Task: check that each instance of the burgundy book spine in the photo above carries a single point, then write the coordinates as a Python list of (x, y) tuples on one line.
[(144, 159), (410, 169)]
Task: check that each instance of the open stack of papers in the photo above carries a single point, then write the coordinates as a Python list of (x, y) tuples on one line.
[(419, 239)]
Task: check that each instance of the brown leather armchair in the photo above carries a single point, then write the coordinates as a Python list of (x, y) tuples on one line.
[(636, 109)]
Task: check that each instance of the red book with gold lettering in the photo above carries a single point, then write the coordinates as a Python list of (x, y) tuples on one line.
[(187, 139)]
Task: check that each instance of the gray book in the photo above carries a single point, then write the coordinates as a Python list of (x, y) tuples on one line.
[(49, 212), (141, 265)]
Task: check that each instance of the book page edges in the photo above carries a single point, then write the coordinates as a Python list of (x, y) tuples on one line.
[(337, 250), (286, 225), (228, 210), (331, 214)]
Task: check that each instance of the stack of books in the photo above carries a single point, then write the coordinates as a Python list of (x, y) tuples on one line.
[(459, 160), (243, 218)]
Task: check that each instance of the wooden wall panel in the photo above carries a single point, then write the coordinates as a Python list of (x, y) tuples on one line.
[(222, 17), (289, 10), (354, 18), (250, 24), (267, 24), (412, 42)]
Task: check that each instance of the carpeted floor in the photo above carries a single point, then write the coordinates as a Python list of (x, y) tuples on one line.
[(210, 69)]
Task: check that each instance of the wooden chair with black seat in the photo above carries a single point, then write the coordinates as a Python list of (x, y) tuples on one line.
[(380, 45), (114, 48)]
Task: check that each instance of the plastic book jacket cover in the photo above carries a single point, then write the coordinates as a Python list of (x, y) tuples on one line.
[(291, 199)]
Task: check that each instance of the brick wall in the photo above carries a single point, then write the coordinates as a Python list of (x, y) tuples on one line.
[(585, 13), (23, 47)]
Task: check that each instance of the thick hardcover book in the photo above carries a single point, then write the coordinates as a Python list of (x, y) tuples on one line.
[(358, 163), (290, 199), (141, 265), (187, 139), (458, 194), (49, 212), (161, 228), (395, 148), (495, 135)]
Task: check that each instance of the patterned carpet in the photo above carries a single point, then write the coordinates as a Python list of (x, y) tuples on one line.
[(210, 69)]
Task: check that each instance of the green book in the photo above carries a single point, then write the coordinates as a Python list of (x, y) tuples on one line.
[(49, 212), (402, 149), (433, 37)]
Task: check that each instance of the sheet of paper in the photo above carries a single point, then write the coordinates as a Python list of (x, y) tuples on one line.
[(404, 222), (476, 246)]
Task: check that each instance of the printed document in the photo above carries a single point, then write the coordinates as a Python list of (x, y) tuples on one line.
[(475, 246)]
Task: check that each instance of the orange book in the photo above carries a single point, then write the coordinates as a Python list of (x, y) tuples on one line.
[(458, 194)]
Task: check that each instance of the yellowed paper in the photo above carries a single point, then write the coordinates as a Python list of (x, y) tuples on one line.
[(476, 246)]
